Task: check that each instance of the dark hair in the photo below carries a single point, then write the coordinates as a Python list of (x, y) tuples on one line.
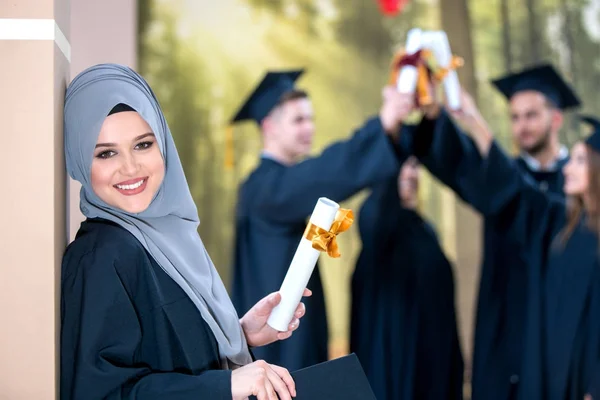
[(551, 104), (576, 206), (288, 96), (121, 107), (291, 95)]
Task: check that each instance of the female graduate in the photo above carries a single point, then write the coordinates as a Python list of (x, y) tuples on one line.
[(403, 326), (561, 343), (145, 314)]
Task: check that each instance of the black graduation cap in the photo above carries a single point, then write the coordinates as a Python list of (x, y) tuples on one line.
[(342, 378), (594, 139), (258, 105), (267, 95), (544, 79)]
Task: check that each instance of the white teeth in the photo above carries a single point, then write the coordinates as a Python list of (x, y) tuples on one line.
[(131, 187)]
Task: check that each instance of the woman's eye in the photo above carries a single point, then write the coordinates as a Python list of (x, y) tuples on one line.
[(106, 154), (144, 145)]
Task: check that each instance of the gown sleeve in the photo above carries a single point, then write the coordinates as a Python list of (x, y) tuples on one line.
[(344, 168), (444, 151), (494, 184), (501, 191), (100, 337)]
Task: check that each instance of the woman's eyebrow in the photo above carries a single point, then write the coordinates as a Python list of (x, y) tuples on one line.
[(144, 136), (114, 144)]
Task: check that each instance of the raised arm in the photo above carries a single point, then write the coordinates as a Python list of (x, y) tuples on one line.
[(477, 169), (443, 150), (343, 169)]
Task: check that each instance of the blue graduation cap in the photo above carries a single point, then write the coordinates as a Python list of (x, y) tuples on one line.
[(267, 94), (594, 139), (544, 79)]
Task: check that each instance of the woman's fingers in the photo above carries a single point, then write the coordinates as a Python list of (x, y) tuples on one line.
[(286, 377)]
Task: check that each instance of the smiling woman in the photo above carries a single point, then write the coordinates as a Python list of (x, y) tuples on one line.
[(128, 168), (144, 311)]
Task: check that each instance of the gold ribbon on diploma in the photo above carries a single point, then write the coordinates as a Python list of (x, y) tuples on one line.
[(428, 71), (326, 240)]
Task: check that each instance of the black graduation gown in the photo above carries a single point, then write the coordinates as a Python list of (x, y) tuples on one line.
[(500, 318), (548, 181), (274, 204), (403, 324), (128, 331), (561, 329)]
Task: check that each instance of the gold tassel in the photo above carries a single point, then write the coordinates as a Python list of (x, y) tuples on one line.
[(229, 149)]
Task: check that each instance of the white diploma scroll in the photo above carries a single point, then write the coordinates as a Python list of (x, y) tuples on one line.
[(407, 78), (301, 268), (437, 42)]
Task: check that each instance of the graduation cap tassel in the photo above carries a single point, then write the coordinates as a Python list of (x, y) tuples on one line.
[(229, 150)]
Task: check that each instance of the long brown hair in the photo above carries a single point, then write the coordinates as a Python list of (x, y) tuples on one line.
[(576, 205)]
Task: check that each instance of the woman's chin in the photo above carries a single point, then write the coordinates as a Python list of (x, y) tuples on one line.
[(571, 191)]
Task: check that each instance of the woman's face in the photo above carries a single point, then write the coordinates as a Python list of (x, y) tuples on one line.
[(408, 182), (127, 168), (576, 171)]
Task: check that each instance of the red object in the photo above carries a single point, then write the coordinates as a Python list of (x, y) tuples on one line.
[(391, 7), (410, 59)]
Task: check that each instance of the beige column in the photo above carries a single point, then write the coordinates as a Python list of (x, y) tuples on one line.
[(92, 43), (33, 76)]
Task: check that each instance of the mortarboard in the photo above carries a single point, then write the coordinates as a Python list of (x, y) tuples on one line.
[(544, 79), (594, 139), (266, 95), (260, 102), (342, 378)]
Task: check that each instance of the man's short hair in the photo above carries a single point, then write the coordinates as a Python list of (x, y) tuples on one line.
[(291, 95)]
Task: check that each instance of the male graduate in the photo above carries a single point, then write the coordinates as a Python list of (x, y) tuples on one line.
[(538, 97), (277, 198)]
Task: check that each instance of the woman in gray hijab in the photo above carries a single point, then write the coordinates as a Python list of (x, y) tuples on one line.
[(145, 314)]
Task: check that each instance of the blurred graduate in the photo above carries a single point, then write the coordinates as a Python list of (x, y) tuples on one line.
[(403, 325), (538, 98), (559, 337), (277, 198)]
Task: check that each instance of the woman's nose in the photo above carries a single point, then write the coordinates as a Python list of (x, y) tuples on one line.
[(130, 165)]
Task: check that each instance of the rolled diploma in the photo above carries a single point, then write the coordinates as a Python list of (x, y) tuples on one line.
[(301, 268), (441, 50), (407, 78)]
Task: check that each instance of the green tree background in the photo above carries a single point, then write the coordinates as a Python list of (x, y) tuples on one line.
[(203, 58)]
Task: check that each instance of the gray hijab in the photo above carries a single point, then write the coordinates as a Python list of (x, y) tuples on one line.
[(168, 227)]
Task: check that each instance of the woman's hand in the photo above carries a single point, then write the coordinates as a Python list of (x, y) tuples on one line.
[(254, 323), (265, 381)]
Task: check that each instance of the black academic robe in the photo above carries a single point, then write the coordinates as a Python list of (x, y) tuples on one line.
[(562, 331), (560, 337), (551, 181), (403, 323), (274, 204), (128, 331), (500, 317)]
